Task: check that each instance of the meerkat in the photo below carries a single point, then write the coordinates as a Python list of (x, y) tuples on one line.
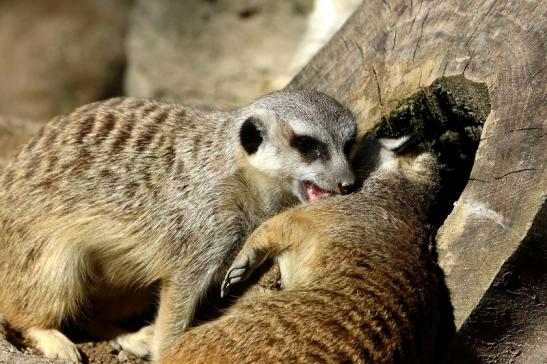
[(358, 282), (128, 194)]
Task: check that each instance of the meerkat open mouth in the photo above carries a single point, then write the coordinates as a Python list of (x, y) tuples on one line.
[(313, 192)]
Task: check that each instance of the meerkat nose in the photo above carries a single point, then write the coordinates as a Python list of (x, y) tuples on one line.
[(344, 187)]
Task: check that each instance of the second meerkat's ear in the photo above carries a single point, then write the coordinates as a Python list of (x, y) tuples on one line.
[(398, 145), (251, 134)]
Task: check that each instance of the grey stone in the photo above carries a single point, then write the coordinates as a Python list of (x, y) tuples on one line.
[(210, 52)]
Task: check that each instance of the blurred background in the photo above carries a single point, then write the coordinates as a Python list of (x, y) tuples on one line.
[(59, 54)]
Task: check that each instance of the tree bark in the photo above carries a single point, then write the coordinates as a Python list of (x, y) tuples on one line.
[(493, 244)]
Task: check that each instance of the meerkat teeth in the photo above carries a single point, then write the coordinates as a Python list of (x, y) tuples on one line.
[(313, 192)]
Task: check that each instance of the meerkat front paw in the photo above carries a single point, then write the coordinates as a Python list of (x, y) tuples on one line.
[(247, 261), (53, 344), (236, 273), (138, 343)]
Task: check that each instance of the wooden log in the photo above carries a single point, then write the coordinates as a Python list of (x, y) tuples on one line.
[(391, 49)]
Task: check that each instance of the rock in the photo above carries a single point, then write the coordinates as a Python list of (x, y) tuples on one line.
[(122, 356), (59, 54), (210, 52)]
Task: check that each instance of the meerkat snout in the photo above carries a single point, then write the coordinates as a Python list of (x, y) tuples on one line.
[(321, 169), (344, 187)]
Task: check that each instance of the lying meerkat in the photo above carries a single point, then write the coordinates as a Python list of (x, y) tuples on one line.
[(358, 281), (127, 194)]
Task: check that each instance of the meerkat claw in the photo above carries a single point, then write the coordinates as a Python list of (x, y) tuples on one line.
[(225, 289), (235, 274)]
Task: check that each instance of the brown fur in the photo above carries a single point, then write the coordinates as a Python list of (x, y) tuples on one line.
[(359, 282)]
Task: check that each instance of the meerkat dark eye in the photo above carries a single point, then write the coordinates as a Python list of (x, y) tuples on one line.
[(250, 135), (347, 147), (309, 147)]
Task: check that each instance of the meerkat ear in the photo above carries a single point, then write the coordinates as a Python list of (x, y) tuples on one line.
[(251, 134), (397, 145)]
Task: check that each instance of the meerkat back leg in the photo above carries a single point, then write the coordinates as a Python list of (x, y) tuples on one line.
[(53, 344), (41, 296), (111, 306), (138, 343)]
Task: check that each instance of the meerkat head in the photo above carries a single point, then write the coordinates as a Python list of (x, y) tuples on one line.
[(402, 154), (301, 138)]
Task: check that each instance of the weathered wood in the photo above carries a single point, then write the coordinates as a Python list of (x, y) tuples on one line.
[(388, 51)]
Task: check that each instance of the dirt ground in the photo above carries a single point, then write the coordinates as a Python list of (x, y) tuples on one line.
[(104, 353)]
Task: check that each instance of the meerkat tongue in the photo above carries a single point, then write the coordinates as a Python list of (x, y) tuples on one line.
[(314, 192)]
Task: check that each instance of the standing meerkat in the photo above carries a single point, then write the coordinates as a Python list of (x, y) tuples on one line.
[(359, 283), (127, 194)]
